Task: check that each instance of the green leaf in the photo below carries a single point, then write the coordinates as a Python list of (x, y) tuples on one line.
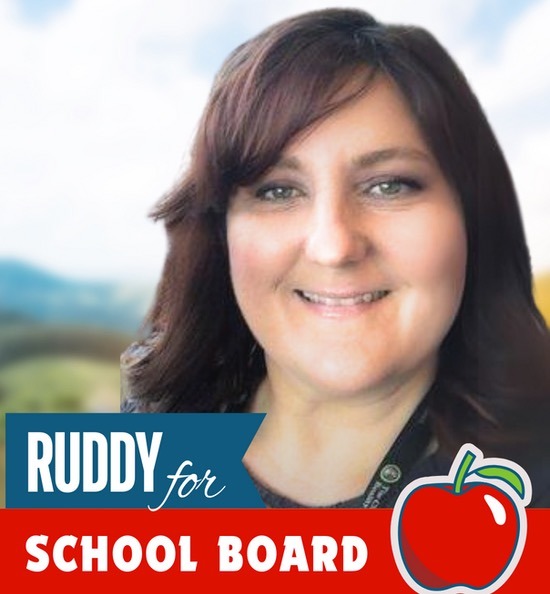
[(504, 474)]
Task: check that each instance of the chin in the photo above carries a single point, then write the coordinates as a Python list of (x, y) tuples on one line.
[(345, 378), (347, 383)]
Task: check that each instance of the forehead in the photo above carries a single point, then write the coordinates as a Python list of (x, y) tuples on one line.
[(378, 125)]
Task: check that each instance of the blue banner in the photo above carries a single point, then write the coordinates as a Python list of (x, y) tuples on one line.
[(153, 461)]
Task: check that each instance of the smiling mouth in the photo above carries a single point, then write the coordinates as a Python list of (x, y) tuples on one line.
[(344, 301)]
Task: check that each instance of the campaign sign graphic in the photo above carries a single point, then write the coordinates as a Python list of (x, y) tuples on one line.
[(464, 532), (114, 460)]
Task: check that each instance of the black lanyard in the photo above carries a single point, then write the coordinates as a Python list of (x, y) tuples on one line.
[(407, 449)]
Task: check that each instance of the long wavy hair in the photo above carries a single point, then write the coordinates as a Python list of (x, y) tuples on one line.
[(493, 381)]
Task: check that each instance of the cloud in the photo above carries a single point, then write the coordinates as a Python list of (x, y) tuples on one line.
[(513, 84), (96, 112), (519, 69), (99, 105)]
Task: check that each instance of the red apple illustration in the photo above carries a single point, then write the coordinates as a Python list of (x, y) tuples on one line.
[(464, 532)]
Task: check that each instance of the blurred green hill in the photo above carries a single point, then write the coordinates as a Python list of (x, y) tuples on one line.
[(39, 295)]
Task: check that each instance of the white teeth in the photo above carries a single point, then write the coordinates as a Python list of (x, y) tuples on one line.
[(343, 301)]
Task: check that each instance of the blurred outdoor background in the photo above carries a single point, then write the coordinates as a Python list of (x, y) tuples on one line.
[(98, 103)]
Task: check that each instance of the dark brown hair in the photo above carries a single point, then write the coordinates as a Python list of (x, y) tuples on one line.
[(493, 381)]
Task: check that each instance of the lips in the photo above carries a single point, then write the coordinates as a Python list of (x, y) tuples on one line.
[(343, 300)]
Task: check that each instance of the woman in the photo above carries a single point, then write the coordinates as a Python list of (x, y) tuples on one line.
[(346, 254)]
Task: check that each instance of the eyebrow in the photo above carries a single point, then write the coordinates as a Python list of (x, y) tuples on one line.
[(365, 160), (401, 152)]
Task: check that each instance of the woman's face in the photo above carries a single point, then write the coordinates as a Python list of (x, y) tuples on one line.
[(348, 257)]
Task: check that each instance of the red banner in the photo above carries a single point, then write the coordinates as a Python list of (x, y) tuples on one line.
[(230, 548)]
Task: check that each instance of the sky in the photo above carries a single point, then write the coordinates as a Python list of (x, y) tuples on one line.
[(100, 98)]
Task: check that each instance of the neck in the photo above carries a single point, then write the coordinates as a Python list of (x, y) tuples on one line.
[(321, 448)]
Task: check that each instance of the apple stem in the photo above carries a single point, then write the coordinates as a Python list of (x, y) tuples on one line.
[(463, 469)]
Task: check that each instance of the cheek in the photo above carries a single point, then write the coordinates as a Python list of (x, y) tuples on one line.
[(432, 248), (432, 256), (448, 256), (257, 257), (244, 261)]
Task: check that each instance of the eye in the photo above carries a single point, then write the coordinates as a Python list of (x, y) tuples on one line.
[(389, 188), (277, 193)]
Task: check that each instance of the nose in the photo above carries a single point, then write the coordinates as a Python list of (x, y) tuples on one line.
[(336, 235)]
